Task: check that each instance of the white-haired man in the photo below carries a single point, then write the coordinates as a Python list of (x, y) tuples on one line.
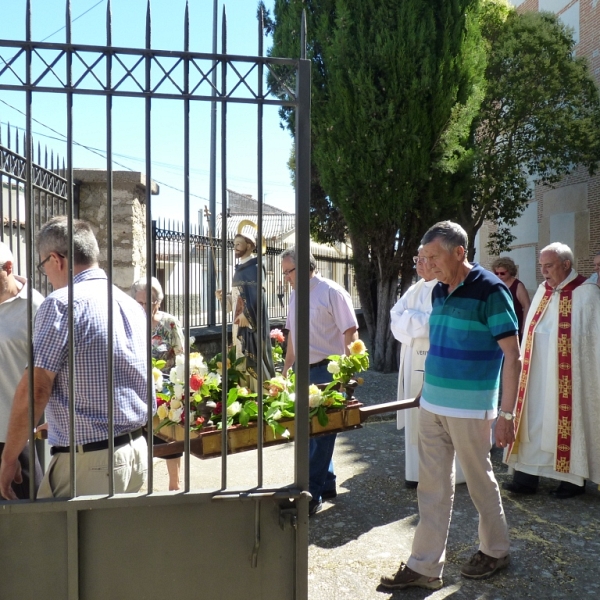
[(14, 354), (557, 405)]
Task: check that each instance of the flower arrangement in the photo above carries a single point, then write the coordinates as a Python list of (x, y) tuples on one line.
[(277, 339), (205, 388), (344, 368), (170, 394)]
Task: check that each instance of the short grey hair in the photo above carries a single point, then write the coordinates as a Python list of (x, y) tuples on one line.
[(450, 235), (54, 237), (5, 255), (140, 286), (561, 250), (291, 254)]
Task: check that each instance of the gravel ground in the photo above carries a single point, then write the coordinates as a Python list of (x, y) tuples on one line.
[(368, 529)]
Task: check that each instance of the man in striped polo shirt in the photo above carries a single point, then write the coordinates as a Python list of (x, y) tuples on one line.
[(472, 325)]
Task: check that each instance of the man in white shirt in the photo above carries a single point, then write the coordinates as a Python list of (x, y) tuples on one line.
[(333, 327), (14, 346)]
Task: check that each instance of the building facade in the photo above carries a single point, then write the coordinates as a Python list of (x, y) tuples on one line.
[(569, 212)]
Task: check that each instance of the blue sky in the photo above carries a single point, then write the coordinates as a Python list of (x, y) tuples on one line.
[(128, 19)]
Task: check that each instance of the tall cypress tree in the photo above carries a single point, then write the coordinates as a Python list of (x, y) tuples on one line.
[(387, 76)]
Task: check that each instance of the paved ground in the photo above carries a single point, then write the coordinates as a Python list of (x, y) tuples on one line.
[(368, 528)]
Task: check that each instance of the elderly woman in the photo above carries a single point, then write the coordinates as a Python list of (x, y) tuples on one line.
[(505, 269), (167, 343)]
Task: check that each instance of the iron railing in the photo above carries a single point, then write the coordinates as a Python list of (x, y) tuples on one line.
[(49, 185), (168, 268)]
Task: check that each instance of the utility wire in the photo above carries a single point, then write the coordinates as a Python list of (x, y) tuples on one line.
[(73, 20)]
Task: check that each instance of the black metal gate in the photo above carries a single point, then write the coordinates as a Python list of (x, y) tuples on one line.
[(121, 546)]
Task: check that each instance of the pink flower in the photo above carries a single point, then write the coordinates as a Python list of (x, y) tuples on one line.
[(277, 335)]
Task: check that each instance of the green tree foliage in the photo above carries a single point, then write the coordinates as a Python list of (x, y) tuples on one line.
[(538, 121), (387, 76)]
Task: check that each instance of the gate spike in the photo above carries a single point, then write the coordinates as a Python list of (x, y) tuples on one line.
[(68, 22), (39, 154), (108, 24), (45, 157), (28, 21), (186, 28), (303, 35), (148, 26), (8, 134)]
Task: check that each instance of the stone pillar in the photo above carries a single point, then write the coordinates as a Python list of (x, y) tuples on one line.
[(129, 219)]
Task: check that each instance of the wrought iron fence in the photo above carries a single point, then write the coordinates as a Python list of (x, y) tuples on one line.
[(168, 242), (49, 185)]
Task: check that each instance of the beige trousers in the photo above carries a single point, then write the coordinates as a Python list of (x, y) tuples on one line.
[(439, 438), (130, 469)]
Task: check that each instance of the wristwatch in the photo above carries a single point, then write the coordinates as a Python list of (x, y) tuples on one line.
[(507, 415)]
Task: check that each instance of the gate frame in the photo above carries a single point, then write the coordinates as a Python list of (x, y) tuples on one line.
[(284, 507)]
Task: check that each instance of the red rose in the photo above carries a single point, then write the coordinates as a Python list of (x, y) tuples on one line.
[(218, 408), (196, 382), (199, 420)]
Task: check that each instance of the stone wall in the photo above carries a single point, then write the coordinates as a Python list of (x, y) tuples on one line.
[(129, 219)]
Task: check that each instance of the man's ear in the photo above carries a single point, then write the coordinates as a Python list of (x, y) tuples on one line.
[(8, 267)]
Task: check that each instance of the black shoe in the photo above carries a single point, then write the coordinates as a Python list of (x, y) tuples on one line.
[(314, 506), (567, 490), (518, 488), (411, 485), (329, 494)]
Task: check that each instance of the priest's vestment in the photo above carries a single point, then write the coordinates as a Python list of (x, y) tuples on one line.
[(558, 407)]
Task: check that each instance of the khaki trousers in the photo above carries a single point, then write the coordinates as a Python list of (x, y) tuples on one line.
[(130, 469), (439, 438)]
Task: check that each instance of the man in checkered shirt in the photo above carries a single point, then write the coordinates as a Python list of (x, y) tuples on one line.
[(51, 374)]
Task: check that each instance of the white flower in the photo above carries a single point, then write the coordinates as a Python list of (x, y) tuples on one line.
[(281, 382), (161, 348), (213, 378), (175, 415), (175, 404), (162, 411), (286, 434), (276, 415), (178, 391), (158, 379), (333, 367), (197, 365), (233, 409), (315, 397), (292, 397), (211, 404), (242, 391)]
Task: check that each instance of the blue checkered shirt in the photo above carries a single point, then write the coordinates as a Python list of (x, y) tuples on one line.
[(51, 352)]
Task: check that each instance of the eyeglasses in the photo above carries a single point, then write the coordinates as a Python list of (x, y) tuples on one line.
[(41, 269), (287, 273), (420, 259), (501, 273)]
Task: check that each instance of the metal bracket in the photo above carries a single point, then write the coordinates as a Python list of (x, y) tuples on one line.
[(288, 516)]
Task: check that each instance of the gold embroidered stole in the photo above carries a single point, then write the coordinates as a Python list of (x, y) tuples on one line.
[(565, 373)]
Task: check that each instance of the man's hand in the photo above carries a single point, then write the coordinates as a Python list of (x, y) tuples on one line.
[(219, 295), (505, 432), (9, 471)]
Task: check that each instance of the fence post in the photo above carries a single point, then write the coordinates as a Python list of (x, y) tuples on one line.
[(129, 227)]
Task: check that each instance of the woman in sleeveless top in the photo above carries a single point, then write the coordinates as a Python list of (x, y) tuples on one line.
[(505, 269)]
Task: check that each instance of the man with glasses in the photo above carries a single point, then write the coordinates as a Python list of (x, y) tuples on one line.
[(410, 326), (52, 377), (557, 408), (14, 355), (332, 328)]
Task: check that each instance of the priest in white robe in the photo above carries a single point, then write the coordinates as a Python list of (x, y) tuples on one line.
[(410, 326), (558, 408)]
